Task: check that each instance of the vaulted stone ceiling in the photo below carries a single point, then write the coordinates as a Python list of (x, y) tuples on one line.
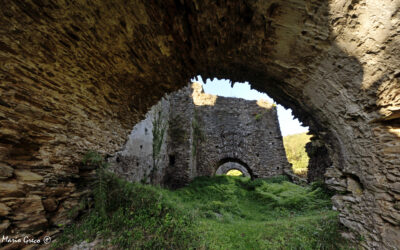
[(78, 76)]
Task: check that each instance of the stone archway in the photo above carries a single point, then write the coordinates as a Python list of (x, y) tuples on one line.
[(78, 76), (230, 164), (201, 130)]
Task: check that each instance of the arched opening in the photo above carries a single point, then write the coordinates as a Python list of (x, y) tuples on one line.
[(94, 69), (232, 169), (224, 165)]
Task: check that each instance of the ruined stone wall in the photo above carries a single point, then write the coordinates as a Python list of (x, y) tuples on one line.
[(237, 129), (135, 162), (182, 164), (204, 132), (78, 75)]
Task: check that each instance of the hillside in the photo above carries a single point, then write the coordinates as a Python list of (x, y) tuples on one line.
[(296, 152)]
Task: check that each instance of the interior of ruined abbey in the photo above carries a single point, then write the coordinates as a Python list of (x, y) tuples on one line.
[(80, 75), (203, 133)]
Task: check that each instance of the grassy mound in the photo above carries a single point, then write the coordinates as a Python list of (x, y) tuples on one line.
[(222, 212), (238, 213)]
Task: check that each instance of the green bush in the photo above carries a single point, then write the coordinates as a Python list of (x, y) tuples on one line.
[(291, 196)]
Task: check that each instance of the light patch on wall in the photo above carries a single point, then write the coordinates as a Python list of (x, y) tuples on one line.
[(265, 104), (200, 98)]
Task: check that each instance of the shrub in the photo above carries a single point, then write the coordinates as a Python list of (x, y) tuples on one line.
[(290, 196)]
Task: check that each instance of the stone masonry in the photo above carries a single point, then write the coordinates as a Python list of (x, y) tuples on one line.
[(224, 168), (78, 75), (203, 133)]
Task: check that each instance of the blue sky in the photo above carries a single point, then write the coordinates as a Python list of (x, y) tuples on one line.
[(289, 125)]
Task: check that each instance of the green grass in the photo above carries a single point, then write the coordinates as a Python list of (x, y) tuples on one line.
[(237, 213), (222, 212), (136, 217)]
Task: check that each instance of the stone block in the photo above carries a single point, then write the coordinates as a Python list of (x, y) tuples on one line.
[(395, 187), (10, 189), (4, 210), (50, 204), (6, 171), (26, 175), (333, 172), (392, 236), (4, 225), (354, 186)]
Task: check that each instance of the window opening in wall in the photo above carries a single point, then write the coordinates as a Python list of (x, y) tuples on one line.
[(171, 160)]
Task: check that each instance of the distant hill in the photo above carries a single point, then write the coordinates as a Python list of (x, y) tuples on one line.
[(296, 152)]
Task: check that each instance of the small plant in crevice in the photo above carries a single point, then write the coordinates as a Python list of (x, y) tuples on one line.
[(258, 117)]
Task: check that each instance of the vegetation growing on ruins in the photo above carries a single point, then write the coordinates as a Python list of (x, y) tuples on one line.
[(131, 216), (198, 135), (257, 116), (222, 212), (177, 133), (296, 152), (159, 127), (94, 159)]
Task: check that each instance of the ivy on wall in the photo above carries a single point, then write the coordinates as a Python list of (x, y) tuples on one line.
[(176, 131), (198, 135), (159, 127)]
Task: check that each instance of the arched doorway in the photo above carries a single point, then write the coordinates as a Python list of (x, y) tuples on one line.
[(227, 167), (226, 164)]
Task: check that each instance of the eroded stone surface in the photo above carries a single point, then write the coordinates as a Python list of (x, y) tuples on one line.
[(4, 210), (5, 171), (78, 76)]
